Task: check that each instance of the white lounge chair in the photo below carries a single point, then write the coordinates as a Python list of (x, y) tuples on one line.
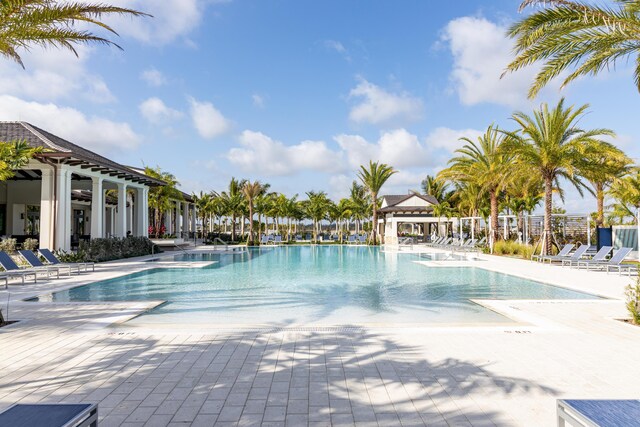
[(600, 256), (615, 260), (563, 254)]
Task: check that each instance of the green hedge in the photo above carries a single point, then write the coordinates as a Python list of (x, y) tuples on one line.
[(100, 250)]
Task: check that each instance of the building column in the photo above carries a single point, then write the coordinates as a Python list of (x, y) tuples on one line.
[(167, 221), (47, 207), (194, 215), (185, 219), (178, 230), (121, 214), (62, 210), (139, 213), (97, 208), (145, 212)]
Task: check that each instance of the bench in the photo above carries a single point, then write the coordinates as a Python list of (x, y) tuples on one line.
[(598, 413), (51, 415)]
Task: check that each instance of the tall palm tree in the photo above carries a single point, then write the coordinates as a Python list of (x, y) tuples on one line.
[(358, 204), (605, 164), (234, 201), (50, 23), (373, 178), (486, 164), (316, 209), (204, 205), (575, 34), (251, 191), (161, 198), (551, 144)]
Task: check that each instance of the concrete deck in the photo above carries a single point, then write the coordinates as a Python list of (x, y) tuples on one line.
[(318, 376)]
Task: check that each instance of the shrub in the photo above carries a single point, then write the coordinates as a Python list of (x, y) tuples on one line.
[(8, 245), (31, 244), (109, 249), (633, 302), (512, 248)]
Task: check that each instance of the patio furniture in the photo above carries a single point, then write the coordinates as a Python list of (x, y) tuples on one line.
[(51, 415), (52, 259), (11, 269), (564, 253), (33, 260), (436, 241), (601, 255), (615, 260), (598, 413)]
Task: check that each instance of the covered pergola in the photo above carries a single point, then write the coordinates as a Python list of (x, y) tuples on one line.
[(414, 209)]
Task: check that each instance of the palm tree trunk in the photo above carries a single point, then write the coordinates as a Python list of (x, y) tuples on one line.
[(374, 225), (233, 227), (494, 216), (600, 202), (548, 203), (250, 241)]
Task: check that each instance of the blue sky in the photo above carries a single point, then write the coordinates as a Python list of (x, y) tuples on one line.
[(296, 93)]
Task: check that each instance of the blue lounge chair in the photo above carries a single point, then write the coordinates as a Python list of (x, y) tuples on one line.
[(11, 269), (598, 413), (33, 260), (52, 259), (56, 414)]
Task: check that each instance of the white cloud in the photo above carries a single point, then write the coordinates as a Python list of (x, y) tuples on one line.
[(338, 47), (153, 77), (339, 186), (91, 132), (397, 148), (481, 52), (155, 111), (261, 154), (449, 139), (258, 100), (172, 19), (378, 106), (52, 75), (208, 121)]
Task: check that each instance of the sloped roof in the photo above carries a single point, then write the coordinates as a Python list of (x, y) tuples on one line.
[(68, 152), (393, 200)]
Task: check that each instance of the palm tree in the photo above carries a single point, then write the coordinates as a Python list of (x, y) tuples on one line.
[(316, 209), (358, 204), (251, 191), (48, 23), (373, 178), (161, 197), (605, 164), (234, 201), (550, 144), (14, 155), (626, 192), (486, 164), (204, 205), (438, 189), (575, 34)]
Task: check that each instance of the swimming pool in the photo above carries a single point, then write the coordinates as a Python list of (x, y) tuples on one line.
[(329, 285)]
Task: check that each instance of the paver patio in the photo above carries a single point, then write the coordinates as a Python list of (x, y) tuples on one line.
[(344, 375)]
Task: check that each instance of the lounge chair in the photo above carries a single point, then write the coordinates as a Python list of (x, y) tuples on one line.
[(362, 239), (563, 254), (469, 246), (598, 412), (51, 414), (52, 259), (616, 259), (481, 242), (11, 269), (33, 260), (600, 256), (436, 241), (277, 240)]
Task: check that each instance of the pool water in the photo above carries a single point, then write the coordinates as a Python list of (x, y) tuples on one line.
[(295, 285)]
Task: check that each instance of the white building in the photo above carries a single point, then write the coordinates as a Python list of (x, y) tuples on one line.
[(68, 193)]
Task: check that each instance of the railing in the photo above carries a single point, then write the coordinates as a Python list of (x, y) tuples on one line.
[(225, 244)]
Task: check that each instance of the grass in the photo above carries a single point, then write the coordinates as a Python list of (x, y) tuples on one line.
[(514, 249)]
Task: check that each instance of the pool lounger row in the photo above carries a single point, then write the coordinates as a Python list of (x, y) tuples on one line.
[(598, 262), (53, 266)]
